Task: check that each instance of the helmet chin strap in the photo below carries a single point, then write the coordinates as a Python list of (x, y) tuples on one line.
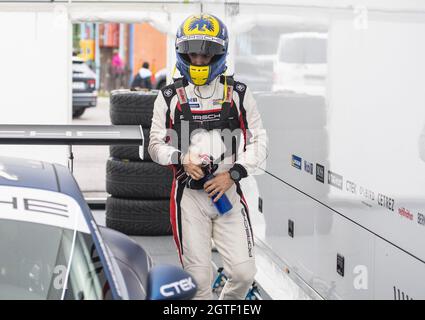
[(199, 95), (225, 88), (215, 86), (174, 71)]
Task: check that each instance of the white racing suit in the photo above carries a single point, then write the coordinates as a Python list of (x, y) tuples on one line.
[(194, 218)]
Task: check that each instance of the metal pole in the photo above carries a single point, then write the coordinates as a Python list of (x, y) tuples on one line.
[(97, 56), (71, 160), (131, 53)]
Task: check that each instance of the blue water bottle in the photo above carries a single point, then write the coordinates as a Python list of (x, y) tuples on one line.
[(223, 204)]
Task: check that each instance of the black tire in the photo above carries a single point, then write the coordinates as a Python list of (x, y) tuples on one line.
[(132, 107), (142, 180), (131, 153), (78, 113), (139, 217)]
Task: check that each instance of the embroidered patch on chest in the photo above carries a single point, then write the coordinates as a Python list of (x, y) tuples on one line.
[(193, 103), (217, 102)]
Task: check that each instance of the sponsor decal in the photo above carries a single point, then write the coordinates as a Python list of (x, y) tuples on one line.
[(216, 102), (308, 167), (240, 87), (385, 202), (168, 92), (296, 162), (335, 179), (320, 173), (41, 206), (368, 194), (405, 213), (194, 105), (204, 117), (34, 205), (201, 37), (182, 95), (421, 219), (174, 288), (351, 187), (229, 94), (248, 232)]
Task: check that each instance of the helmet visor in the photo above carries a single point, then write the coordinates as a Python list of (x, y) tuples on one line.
[(211, 46)]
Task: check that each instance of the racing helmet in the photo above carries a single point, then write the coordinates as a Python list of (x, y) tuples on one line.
[(201, 34)]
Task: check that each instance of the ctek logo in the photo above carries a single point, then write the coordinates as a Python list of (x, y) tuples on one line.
[(351, 187), (335, 179), (308, 167), (296, 162), (320, 173), (169, 290), (405, 213)]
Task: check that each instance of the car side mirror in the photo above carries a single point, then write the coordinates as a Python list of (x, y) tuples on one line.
[(167, 282)]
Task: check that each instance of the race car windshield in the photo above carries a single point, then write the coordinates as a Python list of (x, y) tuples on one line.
[(35, 263)]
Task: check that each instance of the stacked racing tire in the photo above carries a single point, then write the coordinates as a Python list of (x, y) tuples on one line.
[(139, 188)]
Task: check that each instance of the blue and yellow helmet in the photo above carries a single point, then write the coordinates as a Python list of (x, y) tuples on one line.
[(202, 34)]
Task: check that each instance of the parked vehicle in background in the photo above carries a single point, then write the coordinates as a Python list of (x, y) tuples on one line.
[(84, 94), (256, 71), (301, 63)]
